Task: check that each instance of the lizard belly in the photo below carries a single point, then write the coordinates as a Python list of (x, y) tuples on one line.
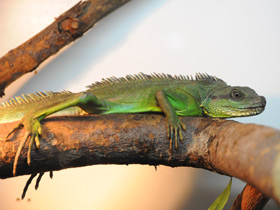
[(132, 108), (190, 112)]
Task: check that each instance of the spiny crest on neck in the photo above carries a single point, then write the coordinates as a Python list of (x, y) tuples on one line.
[(154, 77)]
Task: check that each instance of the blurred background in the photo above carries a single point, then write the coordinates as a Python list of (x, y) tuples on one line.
[(237, 41)]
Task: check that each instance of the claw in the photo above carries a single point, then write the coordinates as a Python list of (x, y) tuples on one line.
[(32, 132), (14, 130), (29, 150), (29, 182), (183, 125), (37, 141), (168, 130), (27, 185), (170, 145), (39, 130), (176, 138), (180, 135), (38, 180), (174, 132), (51, 174)]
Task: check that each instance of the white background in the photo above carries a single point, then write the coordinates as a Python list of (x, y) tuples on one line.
[(237, 41)]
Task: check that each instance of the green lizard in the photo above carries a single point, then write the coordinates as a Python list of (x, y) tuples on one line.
[(175, 96)]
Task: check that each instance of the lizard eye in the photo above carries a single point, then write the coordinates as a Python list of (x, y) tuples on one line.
[(235, 94)]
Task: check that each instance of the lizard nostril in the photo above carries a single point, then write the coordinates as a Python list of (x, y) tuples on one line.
[(263, 101)]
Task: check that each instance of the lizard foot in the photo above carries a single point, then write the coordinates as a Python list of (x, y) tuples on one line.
[(32, 132), (174, 132)]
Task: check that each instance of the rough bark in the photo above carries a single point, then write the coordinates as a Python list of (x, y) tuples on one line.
[(246, 151), (65, 29)]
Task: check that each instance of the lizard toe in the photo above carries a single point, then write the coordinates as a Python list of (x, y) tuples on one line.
[(20, 148)]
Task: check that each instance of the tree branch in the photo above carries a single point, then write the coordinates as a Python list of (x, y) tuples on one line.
[(65, 29), (246, 151)]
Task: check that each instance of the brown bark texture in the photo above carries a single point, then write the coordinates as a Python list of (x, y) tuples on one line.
[(250, 199), (246, 151), (65, 29)]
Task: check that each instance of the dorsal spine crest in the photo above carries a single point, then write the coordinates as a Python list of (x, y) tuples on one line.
[(29, 98), (154, 76)]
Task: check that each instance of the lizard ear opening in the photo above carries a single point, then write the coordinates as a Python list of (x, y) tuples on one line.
[(204, 111)]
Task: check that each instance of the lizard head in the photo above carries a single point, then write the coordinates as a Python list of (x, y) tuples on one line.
[(233, 101)]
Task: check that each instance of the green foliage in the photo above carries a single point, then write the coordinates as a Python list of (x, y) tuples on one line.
[(221, 201)]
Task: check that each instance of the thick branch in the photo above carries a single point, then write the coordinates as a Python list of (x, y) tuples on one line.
[(246, 151), (64, 30)]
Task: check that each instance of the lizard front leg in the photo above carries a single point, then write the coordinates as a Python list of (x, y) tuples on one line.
[(31, 120), (173, 124)]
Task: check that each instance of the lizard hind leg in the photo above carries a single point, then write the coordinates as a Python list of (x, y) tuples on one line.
[(32, 132), (31, 120)]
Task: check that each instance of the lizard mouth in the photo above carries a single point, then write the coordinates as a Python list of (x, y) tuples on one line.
[(227, 112), (243, 111), (249, 111)]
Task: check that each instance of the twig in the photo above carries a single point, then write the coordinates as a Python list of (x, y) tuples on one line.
[(65, 29)]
